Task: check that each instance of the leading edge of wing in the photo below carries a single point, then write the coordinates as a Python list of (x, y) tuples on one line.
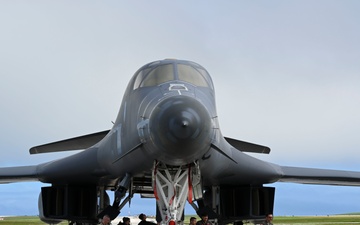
[(247, 146), (319, 176), (18, 174), (76, 143)]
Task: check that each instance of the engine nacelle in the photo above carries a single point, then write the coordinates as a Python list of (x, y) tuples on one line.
[(72, 203), (234, 204), (41, 213), (246, 202)]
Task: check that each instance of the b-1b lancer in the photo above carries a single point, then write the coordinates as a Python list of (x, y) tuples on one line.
[(166, 143)]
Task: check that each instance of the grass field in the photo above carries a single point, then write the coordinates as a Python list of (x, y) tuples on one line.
[(24, 220), (280, 220), (317, 220)]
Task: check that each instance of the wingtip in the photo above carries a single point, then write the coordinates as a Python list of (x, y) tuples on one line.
[(33, 150)]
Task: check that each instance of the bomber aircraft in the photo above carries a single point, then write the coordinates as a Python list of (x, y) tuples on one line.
[(167, 128)]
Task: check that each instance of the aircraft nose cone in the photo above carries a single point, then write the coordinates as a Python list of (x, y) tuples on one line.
[(180, 127), (183, 123)]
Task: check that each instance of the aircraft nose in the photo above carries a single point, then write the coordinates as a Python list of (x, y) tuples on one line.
[(180, 128), (180, 122)]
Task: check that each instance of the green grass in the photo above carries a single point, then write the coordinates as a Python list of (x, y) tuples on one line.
[(323, 220), (24, 220)]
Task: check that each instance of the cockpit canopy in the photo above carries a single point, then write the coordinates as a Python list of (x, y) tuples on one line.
[(159, 72)]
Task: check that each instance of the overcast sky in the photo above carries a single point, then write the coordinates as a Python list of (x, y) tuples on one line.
[(286, 75)]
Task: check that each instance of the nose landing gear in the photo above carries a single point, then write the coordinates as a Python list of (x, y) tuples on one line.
[(173, 185)]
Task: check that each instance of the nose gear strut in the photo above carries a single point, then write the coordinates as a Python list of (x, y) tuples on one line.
[(172, 185)]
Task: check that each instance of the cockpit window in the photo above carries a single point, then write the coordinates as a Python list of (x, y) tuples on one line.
[(159, 75), (159, 72), (154, 76), (140, 76), (192, 75)]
